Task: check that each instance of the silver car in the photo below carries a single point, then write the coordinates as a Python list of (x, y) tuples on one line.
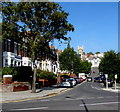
[(67, 83)]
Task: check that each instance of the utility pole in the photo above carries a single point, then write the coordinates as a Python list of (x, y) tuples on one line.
[(58, 59), (106, 75), (115, 80)]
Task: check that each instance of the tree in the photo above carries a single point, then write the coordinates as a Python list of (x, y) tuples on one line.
[(118, 66), (97, 53), (0, 32), (85, 67), (39, 23), (10, 29), (108, 63), (69, 60)]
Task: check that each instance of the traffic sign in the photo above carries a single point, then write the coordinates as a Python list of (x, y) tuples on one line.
[(116, 76), (106, 75)]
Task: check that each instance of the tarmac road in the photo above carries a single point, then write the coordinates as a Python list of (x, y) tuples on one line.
[(82, 97)]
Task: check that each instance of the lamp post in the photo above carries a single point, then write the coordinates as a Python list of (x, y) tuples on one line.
[(106, 75), (115, 80), (58, 60)]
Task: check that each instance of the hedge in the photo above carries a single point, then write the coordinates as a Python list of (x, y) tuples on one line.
[(22, 73), (45, 75)]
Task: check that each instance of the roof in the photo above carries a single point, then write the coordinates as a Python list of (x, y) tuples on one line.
[(51, 46), (59, 51)]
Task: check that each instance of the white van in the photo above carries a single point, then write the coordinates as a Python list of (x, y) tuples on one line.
[(82, 75)]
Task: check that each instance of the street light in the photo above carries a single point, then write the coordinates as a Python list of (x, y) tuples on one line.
[(58, 58), (106, 75), (115, 80)]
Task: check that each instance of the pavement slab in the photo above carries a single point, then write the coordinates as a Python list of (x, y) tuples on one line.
[(27, 95)]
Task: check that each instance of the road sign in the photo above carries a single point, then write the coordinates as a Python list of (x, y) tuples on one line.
[(116, 76), (106, 75)]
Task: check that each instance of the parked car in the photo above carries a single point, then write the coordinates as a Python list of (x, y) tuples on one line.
[(67, 82), (109, 81), (97, 79), (89, 79), (80, 80), (103, 78), (73, 80), (77, 80)]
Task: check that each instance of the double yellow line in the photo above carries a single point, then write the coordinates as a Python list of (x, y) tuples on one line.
[(27, 99)]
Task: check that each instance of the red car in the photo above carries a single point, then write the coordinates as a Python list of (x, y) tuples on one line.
[(93, 71), (80, 80)]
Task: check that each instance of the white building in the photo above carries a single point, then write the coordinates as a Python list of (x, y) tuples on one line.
[(80, 51), (14, 56), (94, 59)]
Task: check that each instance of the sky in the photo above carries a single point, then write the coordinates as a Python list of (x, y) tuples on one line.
[(95, 23)]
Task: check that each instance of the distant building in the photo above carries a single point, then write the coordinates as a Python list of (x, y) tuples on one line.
[(80, 52), (93, 58)]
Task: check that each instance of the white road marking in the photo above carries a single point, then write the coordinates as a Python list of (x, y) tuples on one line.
[(107, 103), (100, 97), (32, 108), (69, 99), (91, 98), (109, 96), (45, 100), (79, 98)]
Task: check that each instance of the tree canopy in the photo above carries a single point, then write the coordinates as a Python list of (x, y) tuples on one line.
[(110, 63), (69, 60), (36, 24)]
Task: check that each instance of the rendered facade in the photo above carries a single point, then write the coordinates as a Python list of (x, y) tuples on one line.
[(14, 56)]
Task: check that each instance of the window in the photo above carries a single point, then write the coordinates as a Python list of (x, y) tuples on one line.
[(4, 45), (8, 45), (15, 64), (11, 63), (15, 47), (6, 62), (18, 63), (18, 49), (54, 69)]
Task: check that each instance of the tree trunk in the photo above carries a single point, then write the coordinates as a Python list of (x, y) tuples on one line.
[(34, 79)]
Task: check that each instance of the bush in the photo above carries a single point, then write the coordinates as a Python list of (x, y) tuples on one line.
[(22, 73), (45, 75), (7, 71)]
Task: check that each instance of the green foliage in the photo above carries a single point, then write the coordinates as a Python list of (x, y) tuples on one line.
[(22, 73), (10, 28), (85, 67), (7, 71), (45, 74), (70, 61), (45, 22), (97, 53), (110, 63)]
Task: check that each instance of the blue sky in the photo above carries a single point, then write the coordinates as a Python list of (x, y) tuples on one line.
[(95, 23)]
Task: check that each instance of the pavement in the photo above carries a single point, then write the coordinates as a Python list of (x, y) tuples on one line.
[(27, 95), (43, 93), (113, 89), (110, 89)]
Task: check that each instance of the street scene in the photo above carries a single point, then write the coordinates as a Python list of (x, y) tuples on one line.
[(84, 96), (59, 56)]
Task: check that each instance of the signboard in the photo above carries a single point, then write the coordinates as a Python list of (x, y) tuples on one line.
[(116, 76), (106, 75)]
